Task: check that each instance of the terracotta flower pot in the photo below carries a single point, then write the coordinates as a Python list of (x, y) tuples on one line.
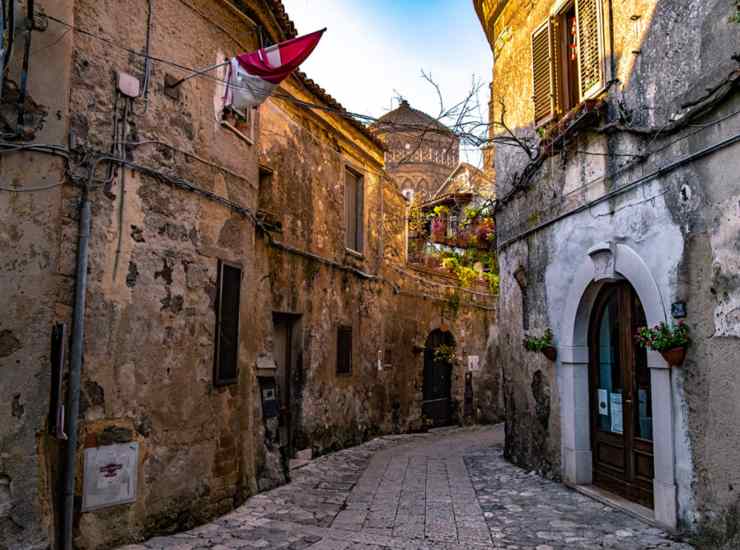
[(550, 352), (674, 357)]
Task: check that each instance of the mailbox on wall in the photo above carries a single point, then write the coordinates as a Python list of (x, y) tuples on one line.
[(270, 403)]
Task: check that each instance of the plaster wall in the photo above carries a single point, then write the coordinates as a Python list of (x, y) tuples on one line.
[(682, 223)]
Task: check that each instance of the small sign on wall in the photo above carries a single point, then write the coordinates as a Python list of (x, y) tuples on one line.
[(473, 363), (110, 476)]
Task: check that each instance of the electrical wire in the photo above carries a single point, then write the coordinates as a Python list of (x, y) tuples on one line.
[(192, 71), (31, 189)]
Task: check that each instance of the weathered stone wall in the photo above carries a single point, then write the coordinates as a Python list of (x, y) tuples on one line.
[(318, 280), (160, 226), (31, 285), (153, 262), (681, 222)]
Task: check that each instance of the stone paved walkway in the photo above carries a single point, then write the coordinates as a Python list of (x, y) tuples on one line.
[(448, 490)]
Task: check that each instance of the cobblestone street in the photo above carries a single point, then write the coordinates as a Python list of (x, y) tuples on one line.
[(449, 490)]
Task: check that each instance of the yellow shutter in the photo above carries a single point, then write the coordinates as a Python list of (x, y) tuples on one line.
[(591, 50), (558, 85), (543, 84)]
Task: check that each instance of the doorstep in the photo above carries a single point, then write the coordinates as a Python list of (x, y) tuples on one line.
[(620, 503)]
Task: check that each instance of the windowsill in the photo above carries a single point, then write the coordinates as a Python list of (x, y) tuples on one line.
[(354, 253), (238, 133), (587, 114), (344, 375)]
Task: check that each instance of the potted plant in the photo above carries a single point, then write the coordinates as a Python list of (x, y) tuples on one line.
[(671, 341), (485, 233), (543, 344), (445, 354), (439, 229)]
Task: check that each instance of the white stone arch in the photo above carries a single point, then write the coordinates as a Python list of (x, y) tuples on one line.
[(606, 262)]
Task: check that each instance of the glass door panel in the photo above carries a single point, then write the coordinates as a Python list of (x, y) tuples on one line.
[(610, 383)]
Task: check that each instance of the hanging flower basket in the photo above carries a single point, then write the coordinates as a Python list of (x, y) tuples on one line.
[(670, 341), (551, 352), (543, 345), (674, 357)]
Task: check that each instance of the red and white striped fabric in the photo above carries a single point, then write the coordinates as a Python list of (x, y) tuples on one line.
[(253, 76)]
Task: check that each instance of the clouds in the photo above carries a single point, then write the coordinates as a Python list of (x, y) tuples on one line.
[(375, 48)]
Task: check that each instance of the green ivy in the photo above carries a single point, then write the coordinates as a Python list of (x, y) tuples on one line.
[(532, 343)]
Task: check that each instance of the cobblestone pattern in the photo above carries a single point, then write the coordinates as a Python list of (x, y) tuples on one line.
[(449, 490)]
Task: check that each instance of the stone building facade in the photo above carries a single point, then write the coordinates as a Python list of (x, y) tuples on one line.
[(620, 210), (246, 293), (421, 152)]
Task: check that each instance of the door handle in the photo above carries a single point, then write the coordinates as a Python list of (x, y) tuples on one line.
[(628, 401)]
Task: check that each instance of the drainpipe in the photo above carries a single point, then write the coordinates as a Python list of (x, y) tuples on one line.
[(73, 393), (24, 71), (9, 24)]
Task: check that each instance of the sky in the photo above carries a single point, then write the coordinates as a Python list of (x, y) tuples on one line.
[(375, 50)]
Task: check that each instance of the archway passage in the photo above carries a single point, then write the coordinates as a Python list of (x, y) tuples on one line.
[(621, 397), (437, 385)]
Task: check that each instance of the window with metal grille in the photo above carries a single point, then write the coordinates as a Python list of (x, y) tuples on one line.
[(225, 369), (354, 207), (568, 59), (344, 350)]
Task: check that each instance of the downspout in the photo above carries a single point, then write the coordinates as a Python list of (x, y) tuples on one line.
[(9, 23), (73, 392), (24, 71)]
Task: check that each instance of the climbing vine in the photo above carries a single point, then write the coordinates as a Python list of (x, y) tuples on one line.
[(465, 250)]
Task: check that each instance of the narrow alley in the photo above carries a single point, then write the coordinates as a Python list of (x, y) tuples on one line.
[(448, 489)]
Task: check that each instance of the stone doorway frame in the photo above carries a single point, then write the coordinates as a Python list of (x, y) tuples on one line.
[(605, 262)]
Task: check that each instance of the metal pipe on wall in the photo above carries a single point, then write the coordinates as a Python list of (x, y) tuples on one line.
[(9, 23), (73, 392), (24, 71)]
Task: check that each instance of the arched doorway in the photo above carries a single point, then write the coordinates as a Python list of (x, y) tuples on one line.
[(604, 264), (621, 397), (437, 384)]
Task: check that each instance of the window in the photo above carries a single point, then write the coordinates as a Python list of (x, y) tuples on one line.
[(227, 324), (264, 200), (568, 59), (354, 208), (344, 350), (239, 122)]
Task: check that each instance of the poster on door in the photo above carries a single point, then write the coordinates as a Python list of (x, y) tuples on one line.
[(616, 412), (603, 402)]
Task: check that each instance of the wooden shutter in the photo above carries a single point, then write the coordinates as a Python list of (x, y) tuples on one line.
[(591, 50), (344, 350), (350, 207), (227, 324), (543, 84), (354, 210), (360, 213)]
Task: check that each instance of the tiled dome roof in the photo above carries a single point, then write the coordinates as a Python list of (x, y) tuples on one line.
[(406, 118)]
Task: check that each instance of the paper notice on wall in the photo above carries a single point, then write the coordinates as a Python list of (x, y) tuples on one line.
[(603, 402), (110, 475), (473, 363), (616, 411)]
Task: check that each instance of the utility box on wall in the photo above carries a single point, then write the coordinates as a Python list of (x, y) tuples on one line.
[(110, 476), (270, 403)]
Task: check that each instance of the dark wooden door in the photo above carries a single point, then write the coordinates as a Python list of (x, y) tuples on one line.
[(437, 380), (621, 401), (283, 358)]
